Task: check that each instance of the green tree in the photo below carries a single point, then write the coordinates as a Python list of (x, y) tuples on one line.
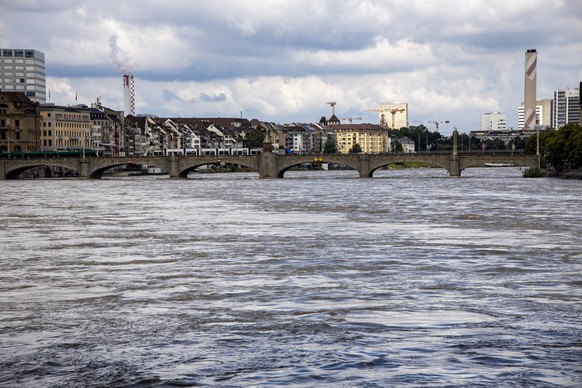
[(254, 138), (397, 146), (356, 149), (329, 147)]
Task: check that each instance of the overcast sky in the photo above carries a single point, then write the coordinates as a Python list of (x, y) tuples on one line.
[(281, 61)]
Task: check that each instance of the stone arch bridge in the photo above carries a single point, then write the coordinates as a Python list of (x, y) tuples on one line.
[(268, 164)]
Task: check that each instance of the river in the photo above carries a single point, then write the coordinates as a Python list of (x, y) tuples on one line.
[(411, 278)]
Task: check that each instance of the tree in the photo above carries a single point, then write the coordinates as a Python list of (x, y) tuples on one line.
[(561, 148), (329, 147), (356, 149), (397, 146), (254, 138)]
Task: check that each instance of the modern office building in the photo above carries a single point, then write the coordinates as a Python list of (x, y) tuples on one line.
[(493, 121), (543, 114), (566, 107), (23, 70)]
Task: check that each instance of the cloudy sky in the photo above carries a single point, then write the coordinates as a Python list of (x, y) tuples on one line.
[(281, 61)]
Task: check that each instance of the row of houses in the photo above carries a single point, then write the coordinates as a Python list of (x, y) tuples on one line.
[(26, 126)]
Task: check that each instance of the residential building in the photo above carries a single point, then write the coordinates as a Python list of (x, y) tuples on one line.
[(493, 121), (19, 123), (23, 70), (372, 138), (407, 145), (543, 114), (65, 127), (566, 108)]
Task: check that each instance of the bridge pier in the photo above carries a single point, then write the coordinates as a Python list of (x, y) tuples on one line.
[(364, 166), (84, 169), (455, 165), (174, 169), (268, 166)]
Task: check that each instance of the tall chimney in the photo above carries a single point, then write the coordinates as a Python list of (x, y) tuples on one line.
[(128, 95), (529, 101)]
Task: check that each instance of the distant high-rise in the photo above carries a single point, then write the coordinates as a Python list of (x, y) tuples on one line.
[(23, 70), (543, 114), (566, 107), (530, 78), (493, 121)]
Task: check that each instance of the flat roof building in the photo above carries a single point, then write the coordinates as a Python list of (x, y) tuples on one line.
[(23, 70)]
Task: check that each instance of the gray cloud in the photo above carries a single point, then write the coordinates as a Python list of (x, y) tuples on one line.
[(283, 60)]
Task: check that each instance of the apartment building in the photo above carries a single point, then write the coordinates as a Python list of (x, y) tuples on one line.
[(493, 121), (19, 123), (566, 107), (65, 127), (373, 139), (23, 70)]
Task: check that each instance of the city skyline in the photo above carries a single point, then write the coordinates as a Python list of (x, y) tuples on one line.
[(282, 61)]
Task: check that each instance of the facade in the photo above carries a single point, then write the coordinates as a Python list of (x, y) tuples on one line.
[(65, 128), (530, 79), (493, 121), (372, 138), (407, 145), (23, 70), (19, 123), (566, 107), (393, 115), (543, 114)]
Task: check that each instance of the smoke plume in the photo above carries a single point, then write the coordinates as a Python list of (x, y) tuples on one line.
[(119, 57)]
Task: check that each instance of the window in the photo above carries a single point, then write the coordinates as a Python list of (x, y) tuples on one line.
[(7, 53)]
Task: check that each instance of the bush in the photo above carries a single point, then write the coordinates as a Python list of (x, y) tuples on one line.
[(533, 173)]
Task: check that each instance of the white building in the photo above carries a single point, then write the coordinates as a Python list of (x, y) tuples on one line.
[(393, 115), (566, 107), (23, 70), (493, 121), (543, 113)]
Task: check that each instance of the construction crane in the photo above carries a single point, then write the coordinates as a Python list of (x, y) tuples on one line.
[(352, 118), (437, 122), (392, 111), (332, 103)]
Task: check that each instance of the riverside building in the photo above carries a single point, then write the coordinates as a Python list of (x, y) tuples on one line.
[(23, 70)]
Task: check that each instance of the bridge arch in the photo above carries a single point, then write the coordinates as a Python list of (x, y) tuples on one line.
[(187, 165), (290, 161), (19, 166), (432, 160)]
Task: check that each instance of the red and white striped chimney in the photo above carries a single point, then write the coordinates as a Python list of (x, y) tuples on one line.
[(529, 101), (128, 94)]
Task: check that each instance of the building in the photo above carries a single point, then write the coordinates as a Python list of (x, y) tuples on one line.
[(372, 138), (530, 79), (493, 121), (543, 114), (393, 115), (19, 123), (65, 127), (407, 145), (23, 70), (566, 107)]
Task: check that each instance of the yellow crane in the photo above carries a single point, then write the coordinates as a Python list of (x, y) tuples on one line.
[(392, 111), (351, 118), (437, 122)]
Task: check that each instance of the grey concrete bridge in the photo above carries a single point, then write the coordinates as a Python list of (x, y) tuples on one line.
[(267, 164)]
